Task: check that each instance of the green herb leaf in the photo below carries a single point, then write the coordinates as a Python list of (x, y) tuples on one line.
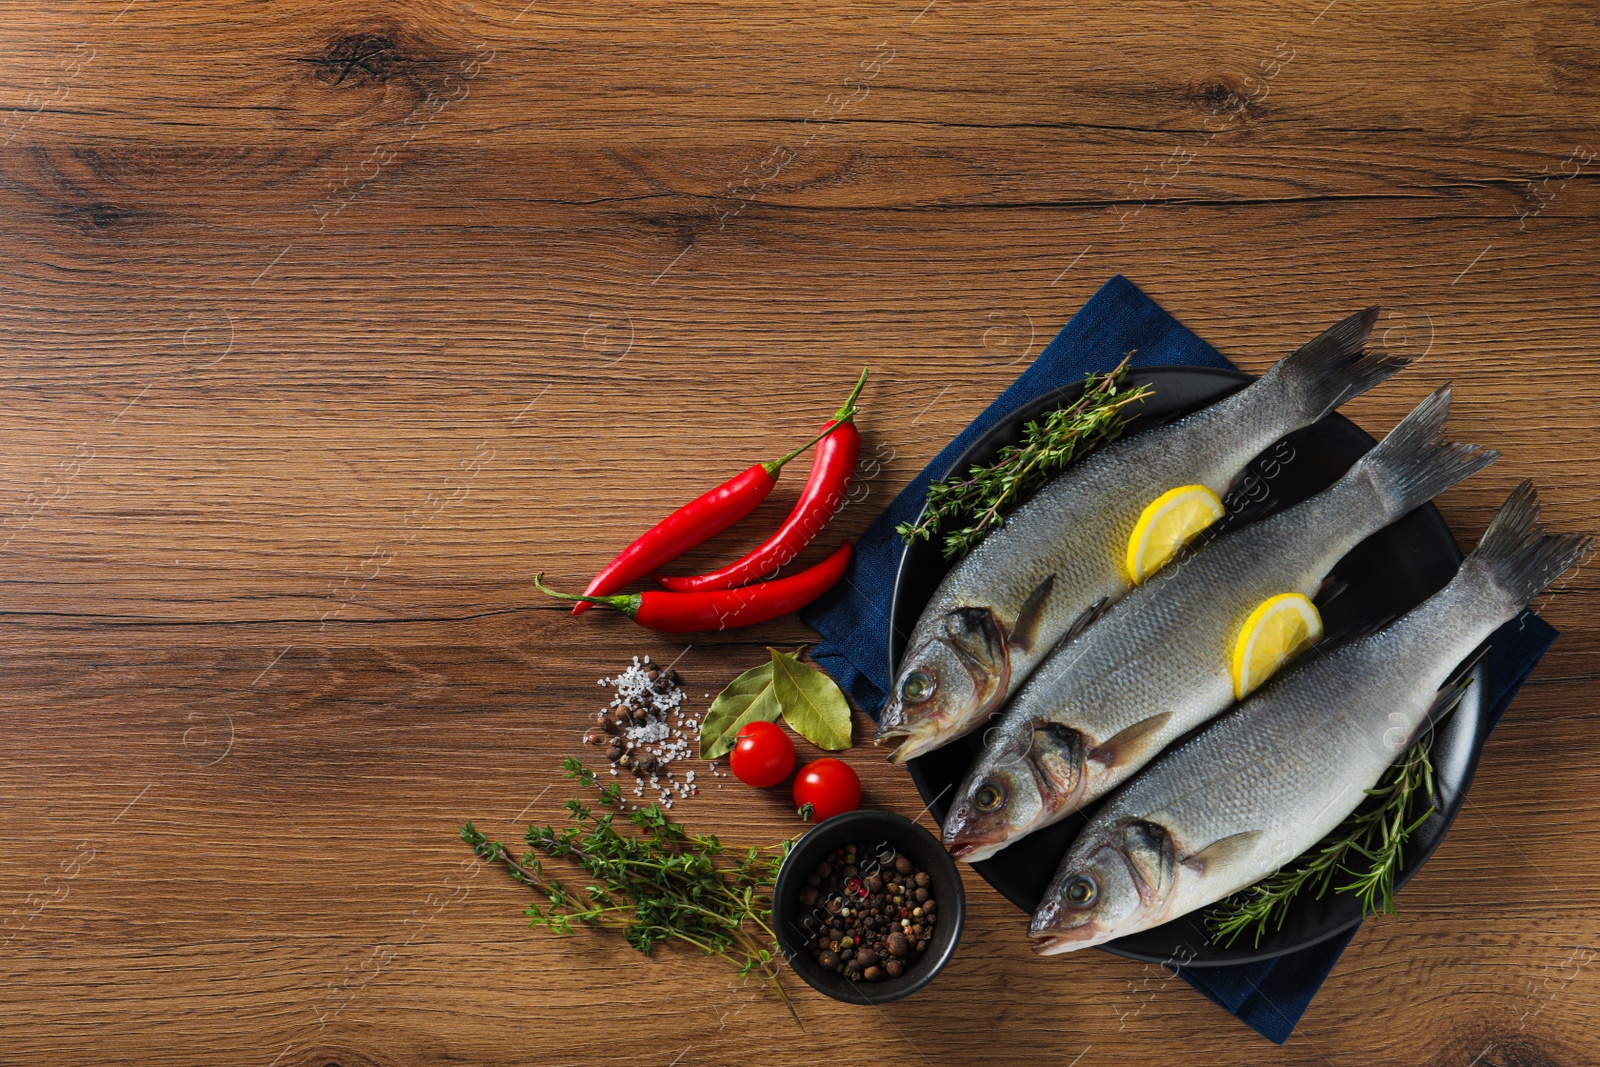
[(1376, 832), (982, 499), (748, 698), (652, 883), (813, 705)]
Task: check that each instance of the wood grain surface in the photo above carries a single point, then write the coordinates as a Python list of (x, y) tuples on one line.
[(325, 325)]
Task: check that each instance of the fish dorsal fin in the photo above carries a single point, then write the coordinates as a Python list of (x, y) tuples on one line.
[(1462, 674), (1338, 637), (1450, 694), (1328, 590), (1222, 851), (1132, 743), (1025, 632), (1081, 623)]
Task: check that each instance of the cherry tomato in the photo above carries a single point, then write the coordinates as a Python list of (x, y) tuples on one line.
[(763, 755), (829, 786)]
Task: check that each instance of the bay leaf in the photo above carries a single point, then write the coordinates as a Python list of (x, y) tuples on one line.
[(813, 705), (748, 698)]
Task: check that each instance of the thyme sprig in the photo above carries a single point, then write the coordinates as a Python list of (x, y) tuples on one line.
[(1376, 833), (983, 498), (657, 884)]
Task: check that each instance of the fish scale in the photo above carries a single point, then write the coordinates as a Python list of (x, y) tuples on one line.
[(1267, 781), (1059, 556), (1158, 663)]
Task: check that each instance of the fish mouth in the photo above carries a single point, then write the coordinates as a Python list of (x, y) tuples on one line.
[(974, 849), (890, 728), (1055, 942), (891, 721), (915, 744)]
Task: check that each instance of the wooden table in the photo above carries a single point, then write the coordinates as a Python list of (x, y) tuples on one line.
[(326, 325)]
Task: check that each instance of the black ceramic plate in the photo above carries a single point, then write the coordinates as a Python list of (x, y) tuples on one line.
[(1386, 575)]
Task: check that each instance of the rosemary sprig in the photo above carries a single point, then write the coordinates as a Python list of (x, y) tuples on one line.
[(1376, 833), (661, 883), (982, 499)]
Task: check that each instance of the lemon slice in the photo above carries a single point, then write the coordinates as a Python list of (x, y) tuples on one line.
[(1170, 522), (1276, 632)]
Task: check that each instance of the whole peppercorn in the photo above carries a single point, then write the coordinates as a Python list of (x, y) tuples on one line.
[(878, 914), (639, 715), (594, 735), (624, 761), (615, 754)]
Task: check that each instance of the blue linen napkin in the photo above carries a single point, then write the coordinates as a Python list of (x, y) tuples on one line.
[(853, 617)]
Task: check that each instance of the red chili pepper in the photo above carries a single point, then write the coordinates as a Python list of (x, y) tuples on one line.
[(698, 520), (721, 609), (819, 500)]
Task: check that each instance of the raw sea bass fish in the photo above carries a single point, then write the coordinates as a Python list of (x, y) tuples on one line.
[(1270, 779), (1059, 556), (1157, 663)]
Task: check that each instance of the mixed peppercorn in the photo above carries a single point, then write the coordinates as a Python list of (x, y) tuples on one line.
[(868, 914)]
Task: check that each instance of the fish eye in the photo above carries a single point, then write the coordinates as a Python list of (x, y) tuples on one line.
[(988, 797), (1081, 891), (917, 687)]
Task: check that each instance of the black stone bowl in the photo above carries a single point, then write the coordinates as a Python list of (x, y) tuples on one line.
[(870, 829)]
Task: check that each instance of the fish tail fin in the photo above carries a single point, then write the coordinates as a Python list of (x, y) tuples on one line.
[(1414, 463), (1518, 556), (1333, 367)]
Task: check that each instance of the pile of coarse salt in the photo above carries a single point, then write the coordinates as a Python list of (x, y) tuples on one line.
[(665, 732)]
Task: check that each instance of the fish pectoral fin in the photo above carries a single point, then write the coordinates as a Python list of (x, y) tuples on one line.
[(1132, 743), (1221, 851), (1025, 631)]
